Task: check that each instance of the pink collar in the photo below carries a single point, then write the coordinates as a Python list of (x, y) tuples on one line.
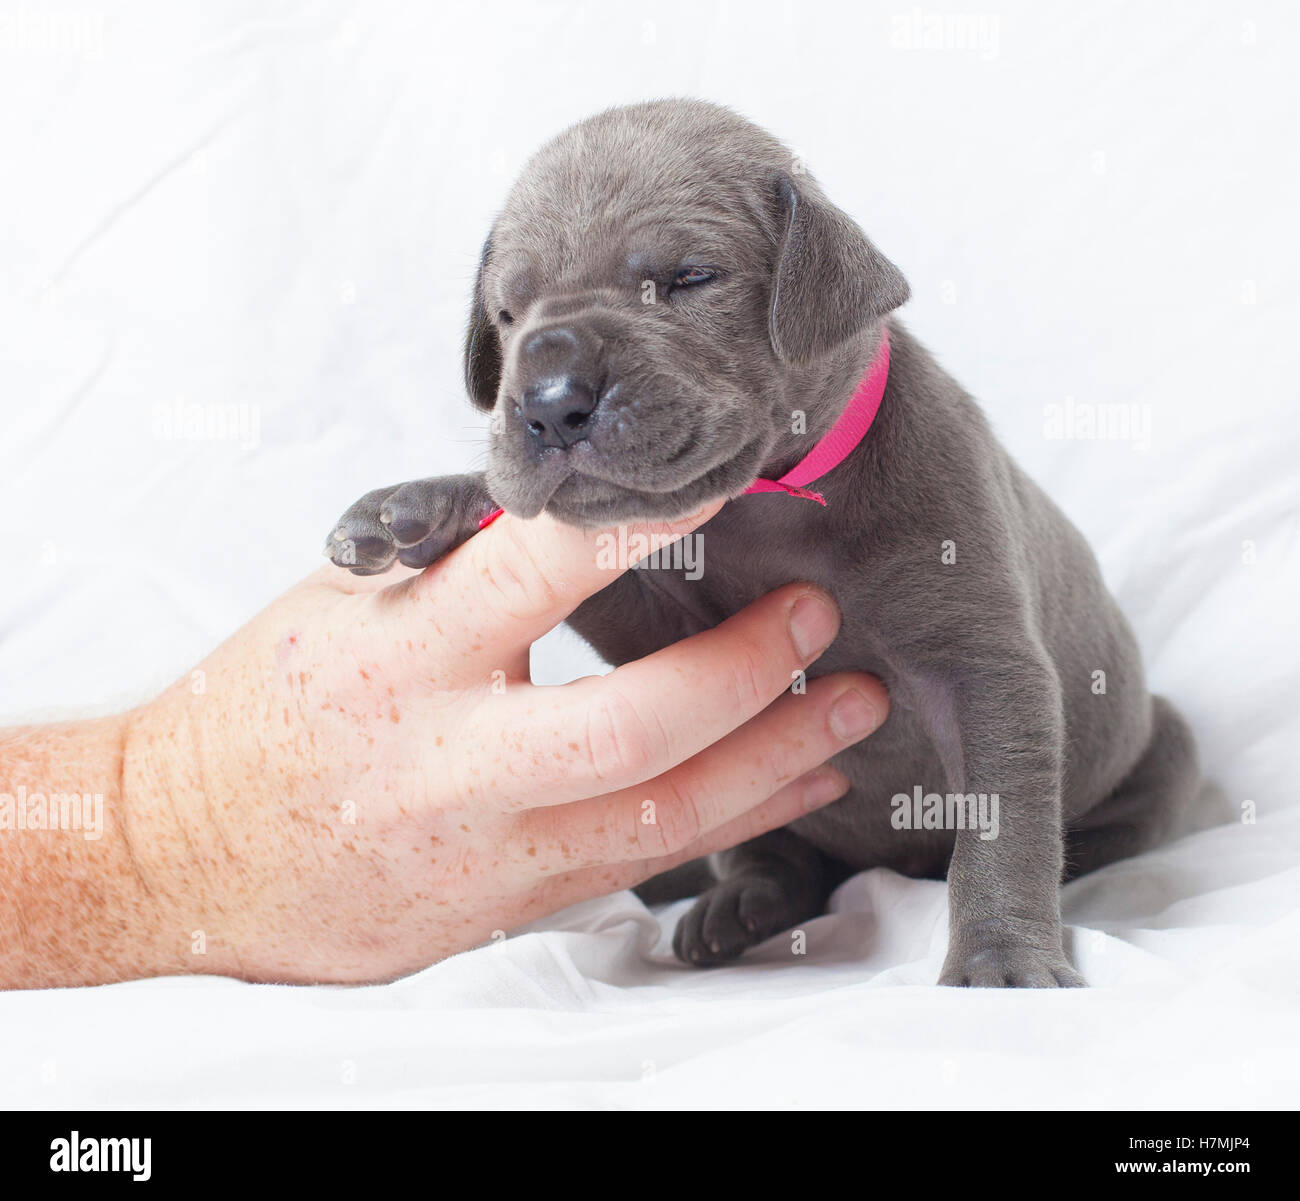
[(832, 448), (840, 440)]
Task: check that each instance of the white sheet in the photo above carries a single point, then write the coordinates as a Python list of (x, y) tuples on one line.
[(281, 206)]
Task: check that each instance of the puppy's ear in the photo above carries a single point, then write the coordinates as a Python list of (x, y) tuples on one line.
[(830, 281), (482, 344)]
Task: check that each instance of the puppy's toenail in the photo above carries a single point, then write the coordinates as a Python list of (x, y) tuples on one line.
[(340, 535), (386, 517)]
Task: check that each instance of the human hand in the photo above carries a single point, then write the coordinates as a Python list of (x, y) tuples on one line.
[(368, 781)]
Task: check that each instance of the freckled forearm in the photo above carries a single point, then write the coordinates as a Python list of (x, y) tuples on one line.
[(77, 906)]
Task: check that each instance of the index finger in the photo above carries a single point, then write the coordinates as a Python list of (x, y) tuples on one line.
[(550, 746)]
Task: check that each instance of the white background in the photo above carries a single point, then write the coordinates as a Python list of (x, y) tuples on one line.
[(281, 205)]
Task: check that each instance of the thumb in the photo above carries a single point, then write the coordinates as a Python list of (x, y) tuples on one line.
[(512, 582)]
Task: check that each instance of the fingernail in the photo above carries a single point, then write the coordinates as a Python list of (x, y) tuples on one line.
[(823, 786), (697, 515), (814, 623), (852, 716)]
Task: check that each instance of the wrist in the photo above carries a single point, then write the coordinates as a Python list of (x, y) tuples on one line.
[(82, 910), (168, 831)]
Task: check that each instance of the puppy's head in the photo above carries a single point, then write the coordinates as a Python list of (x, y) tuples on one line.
[(661, 288)]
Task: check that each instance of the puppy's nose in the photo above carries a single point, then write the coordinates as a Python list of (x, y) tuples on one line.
[(557, 411)]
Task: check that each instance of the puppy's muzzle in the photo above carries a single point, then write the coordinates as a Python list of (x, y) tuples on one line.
[(560, 366)]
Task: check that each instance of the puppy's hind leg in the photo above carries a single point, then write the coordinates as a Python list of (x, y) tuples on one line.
[(1146, 807), (686, 880), (764, 886)]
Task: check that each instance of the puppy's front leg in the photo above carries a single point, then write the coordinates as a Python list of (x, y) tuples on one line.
[(1004, 891), (414, 523)]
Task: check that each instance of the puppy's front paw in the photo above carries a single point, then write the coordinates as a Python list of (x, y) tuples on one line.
[(734, 915), (1009, 966), (415, 524)]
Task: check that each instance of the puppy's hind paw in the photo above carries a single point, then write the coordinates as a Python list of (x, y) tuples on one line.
[(734, 915)]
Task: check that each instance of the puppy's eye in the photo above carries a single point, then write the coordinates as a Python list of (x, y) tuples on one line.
[(504, 318), (688, 277)]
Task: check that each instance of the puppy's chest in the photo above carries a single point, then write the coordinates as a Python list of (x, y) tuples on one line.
[(656, 605)]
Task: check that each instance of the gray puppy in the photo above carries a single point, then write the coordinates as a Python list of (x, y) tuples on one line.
[(663, 291)]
